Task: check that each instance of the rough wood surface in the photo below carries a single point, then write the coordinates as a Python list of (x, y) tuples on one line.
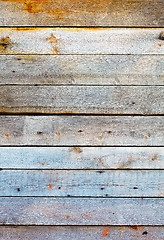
[(81, 13), (88, 70), (81, 211), (82, 157), (81, 41), (82, 130), (81, 233), (82, 183), (82, 99)]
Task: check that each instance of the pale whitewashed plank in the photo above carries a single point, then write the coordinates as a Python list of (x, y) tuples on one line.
[(81, 13), (82, 130), (82, 183), (82, 99), (81, 233), (81, 41), (81, 211), (83, 70), (82, 157)]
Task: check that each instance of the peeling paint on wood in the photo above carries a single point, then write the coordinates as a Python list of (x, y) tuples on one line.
[(82, 130), (82, 99), (82, 183), (81, 13), (88, 70), (81, 211), (83, 41), (82, 157)]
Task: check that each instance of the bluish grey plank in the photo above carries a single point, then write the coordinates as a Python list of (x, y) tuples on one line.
[(82, 130), (82, 99), (82, 183), (81, 211), (88, 70), (82, 157), (81, 232)]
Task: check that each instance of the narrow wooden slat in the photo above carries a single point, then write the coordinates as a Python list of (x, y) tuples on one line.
[(88, 70), (80, 41), (81, 211), (82, 183), (82, 99), (83, 13), (81, 232), (82, 130), (82, 157)]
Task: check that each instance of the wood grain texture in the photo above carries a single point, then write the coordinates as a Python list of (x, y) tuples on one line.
[(88, 70), (82, 183), (81, 41), (81, 211), (81, 232), (82, 130), (82, 99), (81, 13), (82, 157)]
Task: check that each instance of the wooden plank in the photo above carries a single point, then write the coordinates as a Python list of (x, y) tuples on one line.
[(82, 183), (88, 70), (82, 157), (82, 99), (85, 13), (81, 41), (82, 130), (81, 232), (81, 211)]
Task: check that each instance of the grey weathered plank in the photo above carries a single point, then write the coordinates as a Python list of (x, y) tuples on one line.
[(81, 211), (82, 183), (82, 130), (83, 13), (81, 41), (88, 70), (82, 157), (81, 232), (82, 99)]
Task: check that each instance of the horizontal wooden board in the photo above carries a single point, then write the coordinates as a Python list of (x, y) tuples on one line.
[(82, 183), (81, 232), (82, 130), (88, 70), (81, 211), (81, 41), (82, 157), (82, 99), (81, 13)]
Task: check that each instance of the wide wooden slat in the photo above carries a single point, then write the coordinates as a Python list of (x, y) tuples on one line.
[(82, 130), (83, 13), (81, 211), (82, 99), (82, 157), (88, 70), (81, 232), (82, 183), (80, 41)]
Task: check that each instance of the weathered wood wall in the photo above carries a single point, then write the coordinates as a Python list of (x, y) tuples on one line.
[(81, 119)]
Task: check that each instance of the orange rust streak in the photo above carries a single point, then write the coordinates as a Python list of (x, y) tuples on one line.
[(137, 228), (105, 232), (50, 186)]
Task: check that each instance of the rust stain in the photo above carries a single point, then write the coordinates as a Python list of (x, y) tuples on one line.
[(136, 228), (52, 39), (7, 135), (25, 29), (5, 42), (154, 157), (145, 137), (77, 150), (105, 232), (58, 134), (55, 50), (50, 186), (121, 228)]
